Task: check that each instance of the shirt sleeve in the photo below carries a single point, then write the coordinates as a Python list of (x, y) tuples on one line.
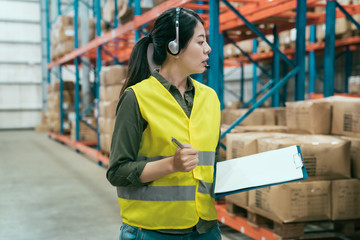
[(124, 169), (217, 152)]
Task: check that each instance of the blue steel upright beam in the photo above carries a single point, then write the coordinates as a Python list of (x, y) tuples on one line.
[(348, 66), (61, 100), (116, 20), (98, 69), (276, 70), (312, 61), (255, 78), (77, 75), (137, 12), (242, 83), (329, 54), (221, 42), (285, 71), (47, 39), (199, 77), (59, 7), (214, 73), (300, 53)]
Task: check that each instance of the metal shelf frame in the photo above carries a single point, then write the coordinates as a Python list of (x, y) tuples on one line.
[(299, 53), (298, 65)]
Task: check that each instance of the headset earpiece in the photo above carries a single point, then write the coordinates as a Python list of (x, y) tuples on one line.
[(173, 46)]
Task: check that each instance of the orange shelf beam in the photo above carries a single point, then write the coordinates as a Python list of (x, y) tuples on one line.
[(256, 12), (320, 95), (81, 146), (242, 225)]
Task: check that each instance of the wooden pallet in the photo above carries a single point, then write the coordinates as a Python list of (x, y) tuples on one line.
[(299, 230)]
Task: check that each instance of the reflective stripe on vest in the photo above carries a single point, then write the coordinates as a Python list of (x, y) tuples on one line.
[(206, 158), (158, 193), (205, 187)]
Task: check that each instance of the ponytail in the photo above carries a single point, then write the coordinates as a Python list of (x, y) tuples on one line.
[(138, 64)]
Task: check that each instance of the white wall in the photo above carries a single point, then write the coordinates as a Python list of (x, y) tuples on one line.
[(20, 69)]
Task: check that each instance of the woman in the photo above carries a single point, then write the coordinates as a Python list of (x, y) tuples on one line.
[(164, 191)]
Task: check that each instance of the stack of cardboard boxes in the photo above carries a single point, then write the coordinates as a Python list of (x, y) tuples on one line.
[(112, 80), (53, 106), (86, 133), (62, 36), (124, 13), (354, 84), (328, 133)]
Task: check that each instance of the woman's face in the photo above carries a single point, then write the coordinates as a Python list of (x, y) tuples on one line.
[(194, 57)]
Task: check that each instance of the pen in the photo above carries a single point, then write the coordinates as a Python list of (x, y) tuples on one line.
[(177, 143)]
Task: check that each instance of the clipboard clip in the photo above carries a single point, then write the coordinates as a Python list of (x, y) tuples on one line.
[(298, 161)]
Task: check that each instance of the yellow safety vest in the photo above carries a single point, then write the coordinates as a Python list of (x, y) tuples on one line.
[(175, 201)]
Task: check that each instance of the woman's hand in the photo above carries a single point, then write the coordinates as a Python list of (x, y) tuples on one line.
[(185, 159)]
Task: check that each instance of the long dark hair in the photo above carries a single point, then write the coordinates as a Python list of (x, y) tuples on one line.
[(162, 33)]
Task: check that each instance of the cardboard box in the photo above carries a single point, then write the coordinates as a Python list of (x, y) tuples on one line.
[(102, 123), (41, 127), (320, 32), (64, 20), (293, 202), (239, 199), (280, 116), (261, 128), (325, 157), (354, 83), (346, 116), (54, 125), (342, 26), (345, 195), (355, 156), (114, 75), (357, 18), (229, 116), (108, 109), (244, 144), (67, 85), (310, 116), (86, 134), (110, 93), (246, 45), (234, 105), (105, 142)]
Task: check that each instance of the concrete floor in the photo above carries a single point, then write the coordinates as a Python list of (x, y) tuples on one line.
[(48, 191)]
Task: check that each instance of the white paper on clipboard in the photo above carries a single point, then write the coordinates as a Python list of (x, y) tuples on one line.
[(272, 167)]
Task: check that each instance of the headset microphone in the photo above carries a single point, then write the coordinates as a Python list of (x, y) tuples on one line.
[(207, 66)]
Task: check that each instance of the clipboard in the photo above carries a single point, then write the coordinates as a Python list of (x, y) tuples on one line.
[(259, 170)]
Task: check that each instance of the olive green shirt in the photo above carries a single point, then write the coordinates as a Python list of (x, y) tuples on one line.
[(123, 169)]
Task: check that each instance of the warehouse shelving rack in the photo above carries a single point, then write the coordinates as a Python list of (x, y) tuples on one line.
[(329, 47), (219, 20), (114, 46)]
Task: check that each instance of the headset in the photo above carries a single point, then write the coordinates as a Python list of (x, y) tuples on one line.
[(173, 46)]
